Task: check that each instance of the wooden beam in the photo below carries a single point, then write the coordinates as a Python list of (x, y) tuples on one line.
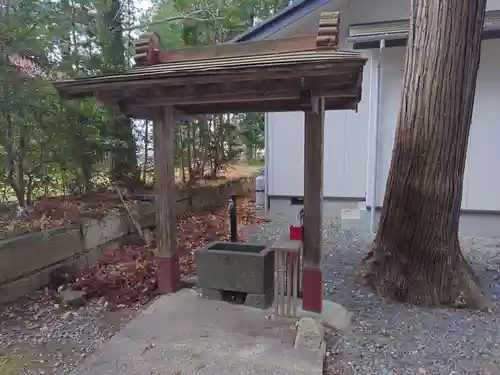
[(307, 43), (164, 93), (263, 106), (191, 111), (313, 201), (166, 226), (253, 93)]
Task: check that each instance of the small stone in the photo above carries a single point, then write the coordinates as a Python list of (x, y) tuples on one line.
[(336, 316), (72, 298), (422, 371)]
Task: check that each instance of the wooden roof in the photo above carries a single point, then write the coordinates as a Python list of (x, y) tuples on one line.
[(278, 75)]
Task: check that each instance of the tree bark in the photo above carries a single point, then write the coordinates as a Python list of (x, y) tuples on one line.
[(416, 254)]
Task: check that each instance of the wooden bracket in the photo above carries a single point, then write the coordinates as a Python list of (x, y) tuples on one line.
[(305, 100), (146, 49), (328, 31)]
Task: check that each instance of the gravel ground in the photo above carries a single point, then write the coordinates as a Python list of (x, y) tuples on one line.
[(40, 337), (395, 339)]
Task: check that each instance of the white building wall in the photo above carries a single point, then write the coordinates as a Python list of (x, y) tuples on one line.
[(483, 160), (493, 5), (344, 151), (365, 11), (347, 138), (481, 183)]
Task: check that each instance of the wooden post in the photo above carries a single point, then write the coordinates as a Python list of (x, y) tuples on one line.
[(168, 274), (312, 280)]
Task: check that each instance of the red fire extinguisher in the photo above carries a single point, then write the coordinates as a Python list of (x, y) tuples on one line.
[(297, 232)]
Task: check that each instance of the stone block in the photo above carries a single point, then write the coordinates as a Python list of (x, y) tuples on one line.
[(99, 232), (27, 283), (333, 315), (145, 208), (183, 206), (193, 199), (22, 255), (11, 291), (260, 301), (310, 334), (236, 267), (14, 290), (212, 294)]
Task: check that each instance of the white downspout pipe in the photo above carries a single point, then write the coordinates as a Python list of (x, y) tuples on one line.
[(375, 137), (267, 152)]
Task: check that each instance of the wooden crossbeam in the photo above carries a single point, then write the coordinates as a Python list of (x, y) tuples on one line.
[(244, 92)]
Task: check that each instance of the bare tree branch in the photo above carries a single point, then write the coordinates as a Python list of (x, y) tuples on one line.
[(189, 16)]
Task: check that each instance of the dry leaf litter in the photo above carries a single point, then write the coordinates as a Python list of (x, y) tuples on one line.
[(40, 336)]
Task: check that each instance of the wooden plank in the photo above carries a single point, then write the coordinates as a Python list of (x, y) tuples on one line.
[(295, 282), (281, 292), (262, 106), (276, 283), (171, 99), (313, 183), (164, 183), (241, 107), (289, 281), (307, 43), (343, 80)]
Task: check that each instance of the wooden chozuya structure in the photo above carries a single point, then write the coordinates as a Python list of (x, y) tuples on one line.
[(306, 74)]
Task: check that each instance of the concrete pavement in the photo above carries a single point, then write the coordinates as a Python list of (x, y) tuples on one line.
[(182, 334)]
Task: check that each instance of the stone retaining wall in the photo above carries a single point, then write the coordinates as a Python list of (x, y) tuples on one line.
[(26, 260)]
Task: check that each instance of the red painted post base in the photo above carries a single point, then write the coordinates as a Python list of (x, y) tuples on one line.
[(312, 290), (168, 274)]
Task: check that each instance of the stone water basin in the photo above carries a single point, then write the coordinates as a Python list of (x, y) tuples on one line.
[(232, 267)]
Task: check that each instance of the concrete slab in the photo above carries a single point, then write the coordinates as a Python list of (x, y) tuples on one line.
[(183, 334)]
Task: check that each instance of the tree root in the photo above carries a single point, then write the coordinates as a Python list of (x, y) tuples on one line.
[(441, 281)]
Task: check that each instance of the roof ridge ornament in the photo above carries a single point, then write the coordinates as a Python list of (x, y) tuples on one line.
[(146, 49), (328, 31)]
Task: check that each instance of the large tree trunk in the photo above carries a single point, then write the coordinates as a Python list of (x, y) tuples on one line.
[(416, 254)]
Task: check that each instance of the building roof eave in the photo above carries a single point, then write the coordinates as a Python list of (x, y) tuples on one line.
[(279, 20)]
